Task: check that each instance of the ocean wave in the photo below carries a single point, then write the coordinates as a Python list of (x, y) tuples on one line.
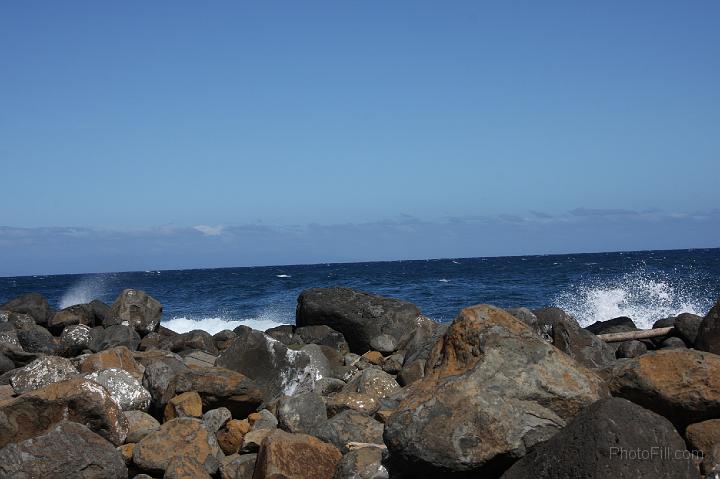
[(84, 291), (644, 297), (214, 325)]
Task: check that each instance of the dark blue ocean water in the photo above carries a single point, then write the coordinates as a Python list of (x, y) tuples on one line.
[(643, 285)]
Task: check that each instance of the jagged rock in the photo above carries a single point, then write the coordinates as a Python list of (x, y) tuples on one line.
[(181, 437), (230, 437), (373, 382), (611, 438), (77, 314), (75, 339), (631, 349), (187, 404), (138, 310), (32, 304), (393, 364), (262, 419), (492, 389), (354, 401), (150, 341), (578, 343), (708, 335), (252, 440), (68, 450), (295, 455), (528, 317), (214, 419), (42, 372), (351, 426), (303, 413), (274, 367), (125, 390), (363, 463), (236, 466), (323, 336), (224, 339), (181, 467), (217, 387), (687, 326), (359, 316), (158, 375), (36, 339), (119, 358), (126, 451), (140, 424), (77, 400), (681, 384)]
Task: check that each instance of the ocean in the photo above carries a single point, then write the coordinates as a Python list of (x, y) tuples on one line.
[(645, 285)]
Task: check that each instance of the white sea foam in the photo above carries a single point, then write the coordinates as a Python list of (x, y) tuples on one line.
[(641, 296), (84, 291), (283, 276), (216, 324)]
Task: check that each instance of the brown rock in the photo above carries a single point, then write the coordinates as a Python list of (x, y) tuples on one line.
[(182, 467), (238, 466), (77, 400), (183, 437), (373, 357), (120, 357), (186, 404), (342, 401), (295, 455), (126, 451), (230, 437), (140, 424), (253, 439), (701, 436)]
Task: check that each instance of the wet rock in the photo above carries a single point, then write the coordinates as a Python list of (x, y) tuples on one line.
[(351, 426), (181, 437), (42, 372), (609, 439), (353, 401), (138, 310), (32, 304), (681, 384), (303, 413), (140, 424), (75, 339), (214, 419), (114, 358), (363, 463), (263, 419), (492, 390), (186, 404), (570, 338), (296, 455), (217, 387), (701, 436), (36, 339), (195, 339), (113, 336), (182, 467), (687, 326), (68, 450), (77, 400), (125, 390), (231, 436), (324, 336), (373, 382), (77, 314), (708, 335), (631, 349), (359, 316), (238, 467)]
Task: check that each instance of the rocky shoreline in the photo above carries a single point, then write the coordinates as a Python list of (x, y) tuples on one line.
[(361, 387)]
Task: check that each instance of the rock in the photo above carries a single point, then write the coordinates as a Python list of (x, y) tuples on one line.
[(701, 436), (217, 387), (295, 455), (140, 424), (17, 320), (270, 364), (323, 336), (75, 339), (113, 336), (252, 440), (230, 437), (359, 316), (411, 372), (158, 376), (664, 323), (214, 419), (138, 310), (418, 343), (125, 390), (708, 335), (384, 343), (7, 364), (199, 359), (77, 314), (303, 413), (326, 386), (114, 358), (320, 364), (615, 325), (126, 451), (42, 372), (393, 364), (687, 327), (373, 382), (68, 450), (238, 467), (36, 339), (77, 400), (351, 426), (681, 384), (631, 349), (32, 304), (672, 343), (263, 419), (181, 437), (224, 339), (181, 467), (570, 338), (611, 438), (195, 339), (492, 390), (363, 463), (186, 404), (354, 401), (150, 341), (373, 357), (9, 337), (99, 311)]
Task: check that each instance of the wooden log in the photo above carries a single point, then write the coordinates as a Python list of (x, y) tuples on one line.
[(630, 335), (359, 445)]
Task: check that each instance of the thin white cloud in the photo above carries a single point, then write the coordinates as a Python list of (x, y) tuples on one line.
[(209, 230)]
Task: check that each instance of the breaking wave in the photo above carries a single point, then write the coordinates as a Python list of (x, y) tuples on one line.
[(644, 297), (84, 291), (214, 325)]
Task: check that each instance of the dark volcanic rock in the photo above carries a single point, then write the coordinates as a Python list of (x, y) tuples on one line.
[(708, 335), (351, 426), (672, 343), (77, 314), (612, 438), (359, 316), (283, 333), (631, 349), (687, 327), (324, 336), (138, 310), (125, 389), (75, 339), (36, 339), (113, 336), (158, 375), (363, 463), (492, 390), (33, 304), (303, 413), (285, 455), (615, 325), (195, 339), (578, 343), (42, 372), (68, 450)]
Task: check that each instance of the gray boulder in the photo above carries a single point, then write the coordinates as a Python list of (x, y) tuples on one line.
[(75, 339), (630, 349), (124, 389), (138, 310), (214, 419), (323, 336), (303, 413), (112, 336), (32, 304), (140, 424), (42, 372), (350, 426), (36, 339), (363, 463), (77, 314)]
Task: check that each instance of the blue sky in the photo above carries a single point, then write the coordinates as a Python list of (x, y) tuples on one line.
[(144, 135)]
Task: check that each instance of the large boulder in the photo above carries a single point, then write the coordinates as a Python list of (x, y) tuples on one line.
[(31, 303), (322, 335), (615, 325), (158, 375), (708, 335), (136, 309), (359, 316), (125, 389), (75, 339), (687, 327), (119, 357), (68, 450), (195, 339), (36, 339), (140, 424), (295, 455), (702, 436), (493, 389), (350, 426), (578, 343), (42, 372), (114, 336), (274, 367), (303, 413), (77, 314), (611, 438), (681, 384), (373, 382), (77, 400)]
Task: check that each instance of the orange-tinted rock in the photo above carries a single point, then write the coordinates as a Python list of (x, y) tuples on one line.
[(295, 455), (702, 436), (182, 467), (126, 451), (186, 404), (339, 402), (77, 400), (230, 437), (119, 357), (374, 357)]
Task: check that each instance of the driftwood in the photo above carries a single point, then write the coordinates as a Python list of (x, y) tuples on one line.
[(629, 335), (359, 445)]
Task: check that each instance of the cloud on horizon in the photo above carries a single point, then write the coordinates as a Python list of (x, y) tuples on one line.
[(55, 250)]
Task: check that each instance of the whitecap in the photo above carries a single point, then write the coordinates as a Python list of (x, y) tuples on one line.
[(215, 324), (443, 280), (283, 276)]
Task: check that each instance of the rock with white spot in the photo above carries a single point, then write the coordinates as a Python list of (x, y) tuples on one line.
[(214, 419), (124, 389), (76, 338), (42, 372)]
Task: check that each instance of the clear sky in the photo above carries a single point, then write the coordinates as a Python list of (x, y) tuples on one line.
[(141, 135)]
